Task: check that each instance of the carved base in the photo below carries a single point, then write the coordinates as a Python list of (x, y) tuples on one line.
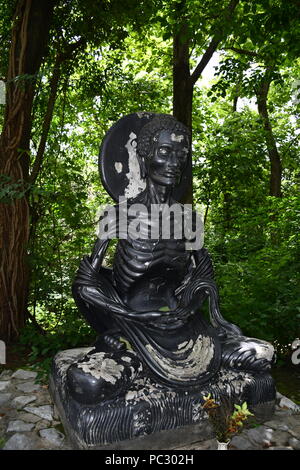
[(142, 417)]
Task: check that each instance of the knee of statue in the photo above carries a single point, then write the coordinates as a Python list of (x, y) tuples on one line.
[(250, 354), (102, 375)]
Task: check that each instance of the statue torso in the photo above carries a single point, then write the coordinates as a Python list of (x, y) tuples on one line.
[(148, 270)]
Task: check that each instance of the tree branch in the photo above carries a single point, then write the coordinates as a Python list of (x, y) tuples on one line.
[(205, 59), (47, 121), (61, 57), (214, 43), (274, 156), (242, 51), (35, 323)]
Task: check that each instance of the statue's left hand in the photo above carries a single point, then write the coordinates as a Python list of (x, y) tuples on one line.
[(171, 319)]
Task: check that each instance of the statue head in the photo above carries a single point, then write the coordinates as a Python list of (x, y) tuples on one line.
[(163, 149)]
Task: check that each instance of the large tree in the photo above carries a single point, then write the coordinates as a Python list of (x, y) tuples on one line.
[(209, 27), (266, 41), (44, 35), (196, 30), (30, 33)]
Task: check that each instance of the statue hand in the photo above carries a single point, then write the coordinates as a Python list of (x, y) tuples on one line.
[(86, 274), (156, 319), (171, 319), (144, 317), (193, 306)]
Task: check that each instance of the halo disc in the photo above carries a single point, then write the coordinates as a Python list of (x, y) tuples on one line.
[(118, 164)]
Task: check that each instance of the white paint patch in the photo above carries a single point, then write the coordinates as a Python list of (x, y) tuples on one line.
[(126, 359), (142, 114), (118, 167), (135, 182), (232, 380), (263, 349), (196, 362), (182, 345), (197, 412), (2, 92), (177, 138), (65, 358), (102, 367), (148, 392)]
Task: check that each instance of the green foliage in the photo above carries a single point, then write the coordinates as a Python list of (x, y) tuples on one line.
[(2, 442), (225, 423), (124, 66), (253, 238), (259, 285), (7, 8), (10, 190), (67, 331)]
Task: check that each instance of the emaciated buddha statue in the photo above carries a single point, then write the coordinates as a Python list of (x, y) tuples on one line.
[(147, 308)]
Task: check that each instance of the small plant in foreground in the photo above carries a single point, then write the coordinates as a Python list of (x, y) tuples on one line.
[(2, 442), (225, 423)]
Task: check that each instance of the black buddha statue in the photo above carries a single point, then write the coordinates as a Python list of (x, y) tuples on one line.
[(147, 308)]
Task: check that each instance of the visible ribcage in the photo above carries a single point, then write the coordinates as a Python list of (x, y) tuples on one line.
[(134, 258)]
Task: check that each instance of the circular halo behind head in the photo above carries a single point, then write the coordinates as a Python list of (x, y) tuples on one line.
[(118, 163)]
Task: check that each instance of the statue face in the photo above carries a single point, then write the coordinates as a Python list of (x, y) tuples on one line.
[(169, 158)]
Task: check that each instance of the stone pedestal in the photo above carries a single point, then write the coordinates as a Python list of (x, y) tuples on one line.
[(149, 415)]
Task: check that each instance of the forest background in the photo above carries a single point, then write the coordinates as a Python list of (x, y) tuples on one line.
[(69, 70)]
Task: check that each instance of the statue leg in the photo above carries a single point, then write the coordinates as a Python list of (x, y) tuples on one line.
[(99, 318), (108, 369), (248, 354), (101, 375), (238, 351)]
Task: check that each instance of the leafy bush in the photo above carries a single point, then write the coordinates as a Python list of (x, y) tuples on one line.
[(72, 331), (259, 286)]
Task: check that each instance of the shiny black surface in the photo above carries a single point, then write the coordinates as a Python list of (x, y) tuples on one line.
[(153, 295)]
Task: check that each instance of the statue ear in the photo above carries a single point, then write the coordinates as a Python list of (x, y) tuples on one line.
[(143, 167)]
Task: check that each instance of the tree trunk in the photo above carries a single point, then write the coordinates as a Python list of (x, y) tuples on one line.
[(183, 79), (29, 40), (234, 103), (182, 83), (274, 156), (183, 93)]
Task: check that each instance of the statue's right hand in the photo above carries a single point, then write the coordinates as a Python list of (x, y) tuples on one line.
[(86, 274), (164, 320), (144, 317)]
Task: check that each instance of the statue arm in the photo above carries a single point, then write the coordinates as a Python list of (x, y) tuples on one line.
[(95, 289), (98, 253), (199, 286)]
